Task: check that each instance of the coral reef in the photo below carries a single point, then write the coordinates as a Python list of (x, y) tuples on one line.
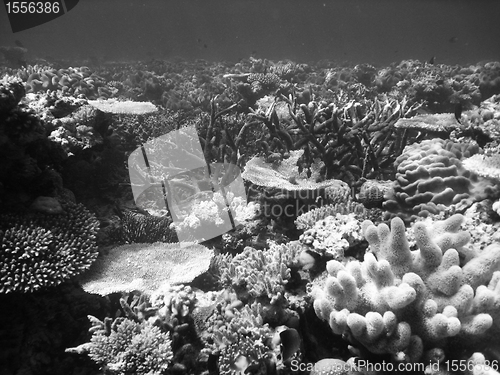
[(338, 141), (145, 267), (40, 250), (405, 302)]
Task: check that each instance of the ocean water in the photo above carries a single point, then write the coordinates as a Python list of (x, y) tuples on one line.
[(357, 31)]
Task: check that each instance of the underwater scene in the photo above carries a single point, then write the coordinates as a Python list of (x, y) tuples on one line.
[(281, 187)]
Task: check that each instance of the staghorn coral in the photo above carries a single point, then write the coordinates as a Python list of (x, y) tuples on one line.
[(403, 302), (145, 267), (124, 346), (40, 250), (430, 177)]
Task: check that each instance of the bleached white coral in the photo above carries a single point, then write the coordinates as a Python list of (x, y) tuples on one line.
[(213, 211), (333, 235)]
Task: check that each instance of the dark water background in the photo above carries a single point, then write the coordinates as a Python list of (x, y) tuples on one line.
[(372, 31)]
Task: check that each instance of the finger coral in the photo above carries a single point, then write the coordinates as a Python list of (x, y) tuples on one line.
[(403, 302), (40, 250), (145, 267)]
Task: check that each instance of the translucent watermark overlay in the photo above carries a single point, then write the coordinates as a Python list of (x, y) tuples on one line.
[(170, 173)]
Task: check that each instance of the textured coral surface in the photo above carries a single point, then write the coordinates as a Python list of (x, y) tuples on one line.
[(40, 250), (402, 301)]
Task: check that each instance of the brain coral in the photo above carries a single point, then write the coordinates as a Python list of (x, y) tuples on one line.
[(430, 177), (403, 302), (40, 250)]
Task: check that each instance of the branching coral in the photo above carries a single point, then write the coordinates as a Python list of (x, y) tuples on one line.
[(124, 346), (264, 273), (402, 301), (40, 250), (240, 339), (145, 267)]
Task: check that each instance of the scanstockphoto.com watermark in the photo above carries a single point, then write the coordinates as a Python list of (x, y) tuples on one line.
[(170, 174), (364, 366)]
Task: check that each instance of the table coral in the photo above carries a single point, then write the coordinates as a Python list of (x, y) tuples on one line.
[(483, 165), (403, 302), (145, 267), (430, 177), (126, 107), (429, 123), (285, 176), (40, 250)]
